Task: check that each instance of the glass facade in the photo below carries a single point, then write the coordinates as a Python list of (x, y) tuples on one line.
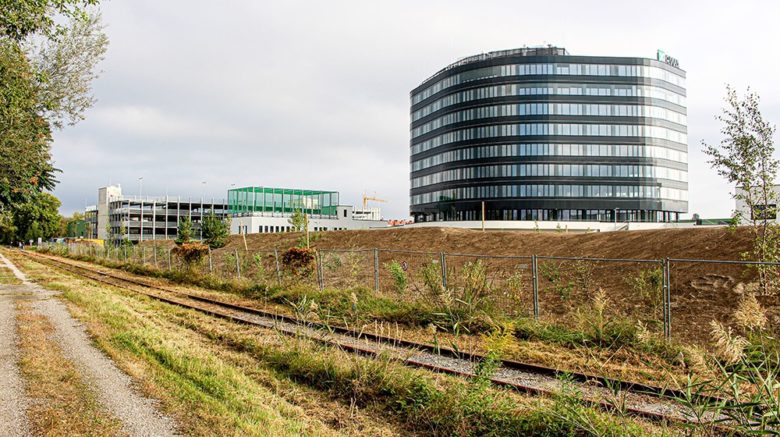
[(536, 132), (249, 200)]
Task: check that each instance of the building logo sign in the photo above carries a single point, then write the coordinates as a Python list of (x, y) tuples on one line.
[(663, 57)]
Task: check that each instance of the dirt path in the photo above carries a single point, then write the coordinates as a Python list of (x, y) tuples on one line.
[(114, 389), (13, 401)]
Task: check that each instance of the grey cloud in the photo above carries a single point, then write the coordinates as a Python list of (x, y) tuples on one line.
[(316, 94)]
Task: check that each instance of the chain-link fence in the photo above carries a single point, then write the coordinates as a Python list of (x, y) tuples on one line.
[(657, 296)]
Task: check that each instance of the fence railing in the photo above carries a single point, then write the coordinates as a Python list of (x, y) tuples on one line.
[(556, 289)]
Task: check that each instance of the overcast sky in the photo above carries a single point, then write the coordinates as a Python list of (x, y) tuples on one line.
[(316, 94)]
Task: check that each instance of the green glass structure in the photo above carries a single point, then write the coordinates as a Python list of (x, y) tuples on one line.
[(248, 200)]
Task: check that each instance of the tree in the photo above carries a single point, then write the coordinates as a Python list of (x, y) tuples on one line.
[(39, 217), (215, 230), (66, 68), (25, 158), (745, 157), (184, 233), (297, 220), (46, 67), (20, 19)]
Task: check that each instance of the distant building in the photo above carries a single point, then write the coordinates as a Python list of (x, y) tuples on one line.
[(78, 229), (536, 134), (268, 210), (770, 210), (251, 209), (117, 216)]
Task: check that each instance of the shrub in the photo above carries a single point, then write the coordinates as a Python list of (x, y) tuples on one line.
[(649, 285), (399, 276), (299, 261), (184, 231), (190, 253), (215, 231), (552, 273), (431, 276)]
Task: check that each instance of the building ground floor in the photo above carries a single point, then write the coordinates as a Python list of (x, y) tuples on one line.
[(595, 215), (554, 225), (262, 223)]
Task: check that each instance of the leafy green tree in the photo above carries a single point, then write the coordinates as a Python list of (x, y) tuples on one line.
[(20, 19), (25, 158), (7, 227), (46, 67), (184, 233), (745, 157), (215, 230), (297, 220), (38, 217)]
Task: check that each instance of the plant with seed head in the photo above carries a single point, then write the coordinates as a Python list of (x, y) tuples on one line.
[(750, 315), (729, 347)]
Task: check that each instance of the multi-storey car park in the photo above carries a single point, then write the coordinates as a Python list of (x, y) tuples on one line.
[(538, 134)]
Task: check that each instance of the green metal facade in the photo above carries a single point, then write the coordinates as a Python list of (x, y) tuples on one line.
[(77, 229), (282, 200)]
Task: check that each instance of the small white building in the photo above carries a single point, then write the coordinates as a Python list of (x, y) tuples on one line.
[(269, 210), (747, 215)]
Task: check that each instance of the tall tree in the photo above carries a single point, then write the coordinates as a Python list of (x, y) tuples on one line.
[(49, 50), (745, 157)]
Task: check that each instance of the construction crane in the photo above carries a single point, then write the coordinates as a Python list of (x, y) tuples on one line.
[(367, 198)]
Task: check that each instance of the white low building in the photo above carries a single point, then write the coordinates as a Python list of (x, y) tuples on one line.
[(269, 210), (747, 215)]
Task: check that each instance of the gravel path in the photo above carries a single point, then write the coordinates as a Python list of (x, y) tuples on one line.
[(139, 415), (13, 401)]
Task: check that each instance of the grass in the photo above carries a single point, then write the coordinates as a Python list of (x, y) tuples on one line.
[(61, 403), (203, 390), (612, 346), (182, 354), (7, 277)]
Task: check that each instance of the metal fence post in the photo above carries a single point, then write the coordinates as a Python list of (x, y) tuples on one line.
[(320, 276), (278, 270), (143, 256), (376, 269), (443, 270), (535, 276), (211, 266), (667, 300), (238, 265)]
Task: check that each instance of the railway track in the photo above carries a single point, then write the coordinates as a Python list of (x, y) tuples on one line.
[(642, 400)]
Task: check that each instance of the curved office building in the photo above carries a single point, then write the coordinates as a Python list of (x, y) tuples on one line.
[(537, 134)]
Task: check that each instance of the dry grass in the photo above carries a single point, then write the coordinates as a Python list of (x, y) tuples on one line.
[(750, 315), (209, 389), (61, 403), (7, 277)]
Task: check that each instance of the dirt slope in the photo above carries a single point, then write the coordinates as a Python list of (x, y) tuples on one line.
[(707, 243)]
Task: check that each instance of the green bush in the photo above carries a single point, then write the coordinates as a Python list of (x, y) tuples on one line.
[(399, 276), (215, 230)]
